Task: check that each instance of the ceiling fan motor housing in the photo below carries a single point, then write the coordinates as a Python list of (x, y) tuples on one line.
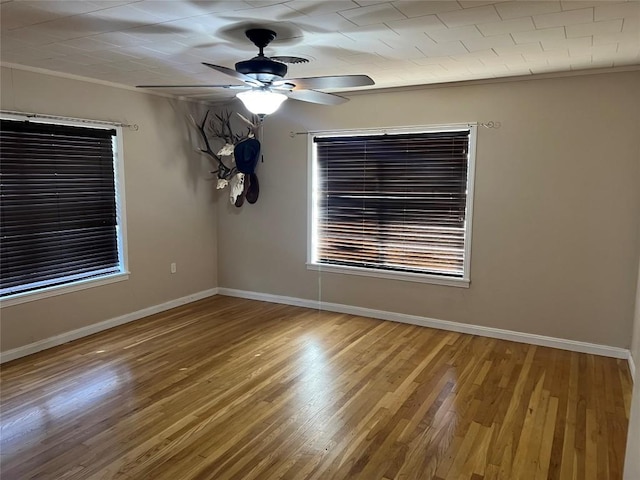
[(262, 68)]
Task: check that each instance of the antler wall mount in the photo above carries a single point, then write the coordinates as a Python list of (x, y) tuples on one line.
[(236, 173)]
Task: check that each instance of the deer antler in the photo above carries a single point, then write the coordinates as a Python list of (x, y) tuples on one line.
[(223, 171), (253, 126), (220, 127)]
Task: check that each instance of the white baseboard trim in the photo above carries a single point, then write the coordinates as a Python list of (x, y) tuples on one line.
[(632, 367), (530, 338), (98, 327), (564, 344)]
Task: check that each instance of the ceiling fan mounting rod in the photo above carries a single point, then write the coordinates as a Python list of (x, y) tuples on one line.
[(261, 37)]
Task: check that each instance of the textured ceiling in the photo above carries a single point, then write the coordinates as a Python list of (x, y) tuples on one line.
[(397, 43)]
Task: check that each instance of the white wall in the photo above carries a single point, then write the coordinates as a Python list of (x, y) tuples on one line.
[(171, 212), (557, 207)]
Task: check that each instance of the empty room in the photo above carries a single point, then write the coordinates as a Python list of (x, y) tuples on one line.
[(297, 239)]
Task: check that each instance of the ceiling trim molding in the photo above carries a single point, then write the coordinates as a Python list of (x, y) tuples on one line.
[(71, 76), (484, 81), (97, 81)]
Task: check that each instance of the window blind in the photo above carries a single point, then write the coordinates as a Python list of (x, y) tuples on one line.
[(58, 220), (393, 202)]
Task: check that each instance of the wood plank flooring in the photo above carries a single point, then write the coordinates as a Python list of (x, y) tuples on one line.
[(236, 389)]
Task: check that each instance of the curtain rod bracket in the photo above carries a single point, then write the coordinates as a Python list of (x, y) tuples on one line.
[(293, 134)]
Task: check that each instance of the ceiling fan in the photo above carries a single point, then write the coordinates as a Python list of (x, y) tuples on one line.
[(265, 87)]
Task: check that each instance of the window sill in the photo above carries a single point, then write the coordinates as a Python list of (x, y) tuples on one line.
[(404, 276), (25, 297)]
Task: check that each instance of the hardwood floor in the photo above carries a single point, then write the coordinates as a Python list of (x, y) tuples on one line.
[(236, 389)]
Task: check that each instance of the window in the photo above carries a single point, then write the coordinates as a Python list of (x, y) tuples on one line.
[(61, 221), (393, 204)]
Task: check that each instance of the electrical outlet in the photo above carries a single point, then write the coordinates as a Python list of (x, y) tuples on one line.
[(173, 268)]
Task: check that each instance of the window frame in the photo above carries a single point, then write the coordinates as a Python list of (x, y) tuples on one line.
[(312, 188), (121, 228)]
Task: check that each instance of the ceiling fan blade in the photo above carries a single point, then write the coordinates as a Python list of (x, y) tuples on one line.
[(282, 85), (233, 87), (317, 97), (335, 81), (232, 73)]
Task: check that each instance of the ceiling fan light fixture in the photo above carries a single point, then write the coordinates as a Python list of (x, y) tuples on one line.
[(261, 102)]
